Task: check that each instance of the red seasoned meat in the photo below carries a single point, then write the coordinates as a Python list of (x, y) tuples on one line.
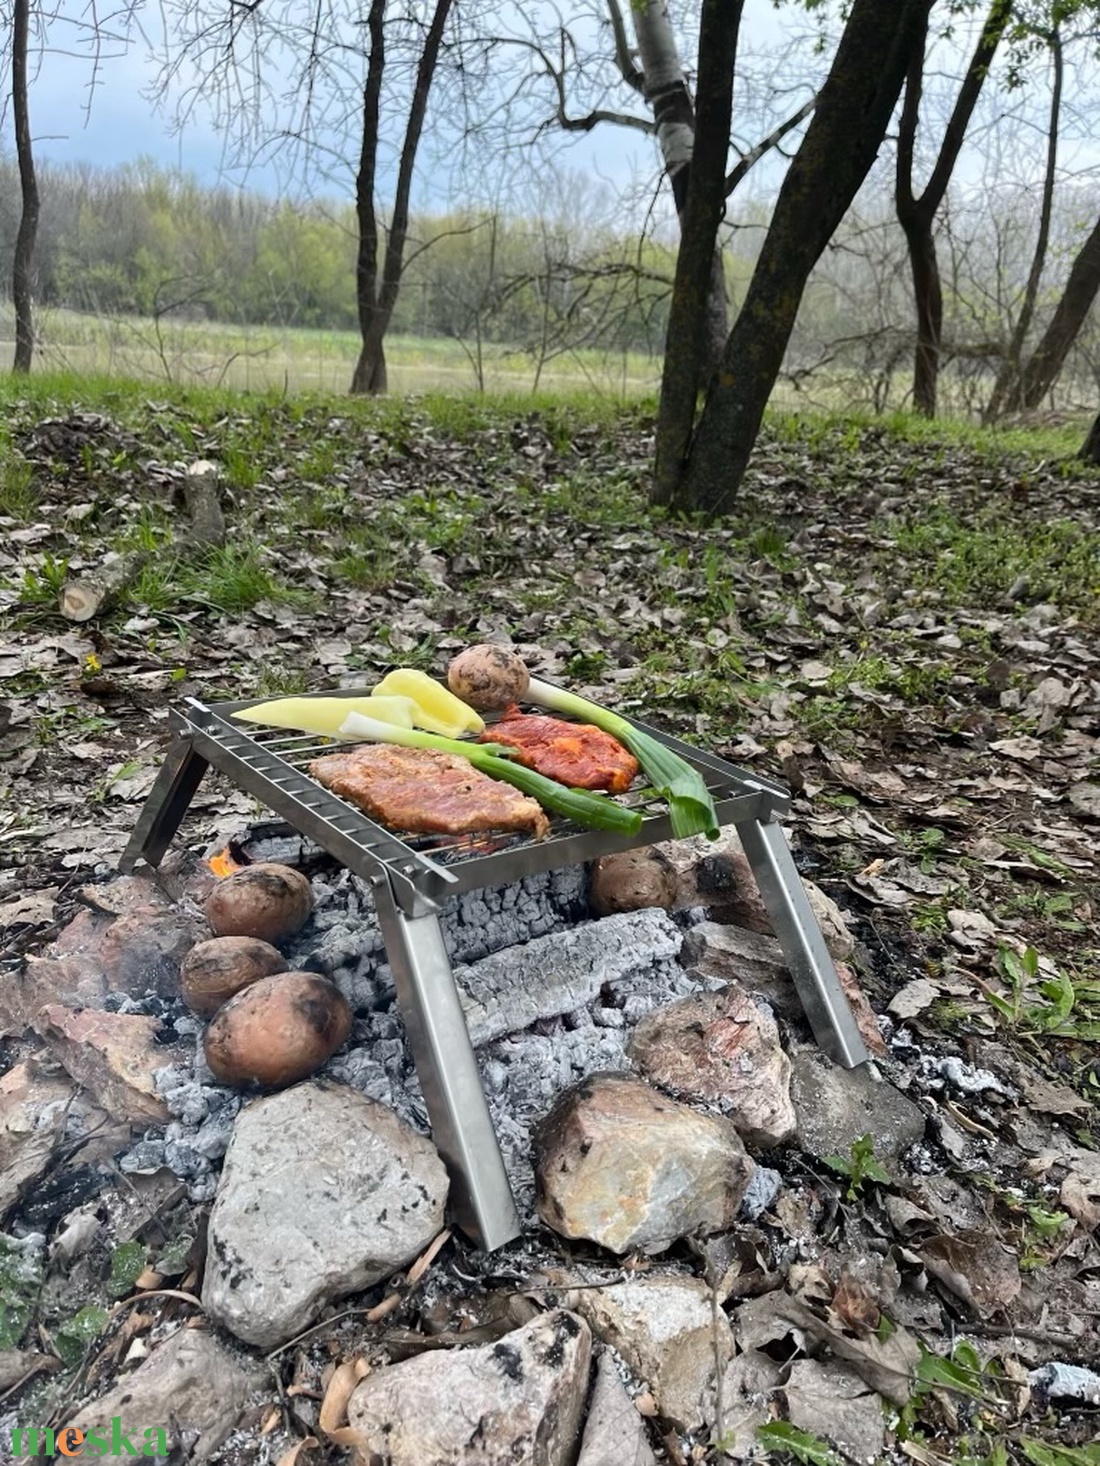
[(427, 793), (577, 754)]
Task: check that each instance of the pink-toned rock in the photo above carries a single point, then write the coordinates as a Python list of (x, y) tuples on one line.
[(99, 953), (864, 1014), (82, 935), (123, 894), (32, 1117), (722, 1049), (142, 951), (113, 1055), (76, 980), (619, 1163)]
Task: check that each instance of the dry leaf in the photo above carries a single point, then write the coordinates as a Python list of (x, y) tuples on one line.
[(913, 998), (270, 1420), (289, 1458), (335, 1404), (427, 1257)]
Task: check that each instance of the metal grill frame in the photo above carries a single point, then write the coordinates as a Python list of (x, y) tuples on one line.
[(409, 885)]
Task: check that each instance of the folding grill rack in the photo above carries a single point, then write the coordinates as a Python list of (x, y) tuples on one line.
[(410, 878)]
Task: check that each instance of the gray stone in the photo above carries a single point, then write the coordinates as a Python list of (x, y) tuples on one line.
[(563, 972), (836, 1106), (619, 1163), (723, 1049), (324, 1192), (519, 1399), (670, 1336), (192, 1386), (614, 1434), (752, 959)]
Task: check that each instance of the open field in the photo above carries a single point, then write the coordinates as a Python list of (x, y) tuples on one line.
[(262, 358)]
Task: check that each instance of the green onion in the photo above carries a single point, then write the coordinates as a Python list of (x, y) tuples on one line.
[(690, 807), (600, 813)]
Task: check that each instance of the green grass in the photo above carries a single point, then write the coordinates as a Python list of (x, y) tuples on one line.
[(980, 562), (260, 358)]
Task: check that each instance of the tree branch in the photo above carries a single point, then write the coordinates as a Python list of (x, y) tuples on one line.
[(750, 159)]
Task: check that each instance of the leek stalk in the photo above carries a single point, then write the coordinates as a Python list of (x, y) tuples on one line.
[(690, 806), (600, 813)]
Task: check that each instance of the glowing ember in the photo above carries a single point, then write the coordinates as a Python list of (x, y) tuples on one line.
[(223, 864)]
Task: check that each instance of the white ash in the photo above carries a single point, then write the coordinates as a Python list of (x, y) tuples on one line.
[(546, 1012), (763, 1188), (1066, 1382), (967, 1078), (343, 940)]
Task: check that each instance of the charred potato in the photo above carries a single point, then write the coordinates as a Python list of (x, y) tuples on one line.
[(631, 880), (278, 1030), (214, 971), (268, 901)]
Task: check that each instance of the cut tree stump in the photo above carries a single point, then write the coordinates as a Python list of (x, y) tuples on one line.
[(82, 599), (200, 491)]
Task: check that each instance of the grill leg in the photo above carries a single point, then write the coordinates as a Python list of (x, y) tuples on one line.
[(795, 925), (481, 1197), (165, 805)]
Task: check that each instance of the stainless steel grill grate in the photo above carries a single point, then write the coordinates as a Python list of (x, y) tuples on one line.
[(411, 874)]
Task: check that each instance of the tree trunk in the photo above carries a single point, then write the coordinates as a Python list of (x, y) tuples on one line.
[(22, 275), (693, 289), (1006, 389), (1090, 448), (841, 142), (376, 305), (917, 216), (665, 89), (1049, 356)]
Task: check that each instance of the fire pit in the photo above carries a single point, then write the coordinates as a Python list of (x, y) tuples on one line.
[(409, 877)]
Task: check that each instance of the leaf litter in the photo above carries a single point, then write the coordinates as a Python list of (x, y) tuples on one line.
[(892, 627)]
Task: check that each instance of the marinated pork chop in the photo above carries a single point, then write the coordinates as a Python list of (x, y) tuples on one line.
[(577, 754), (427, 793)]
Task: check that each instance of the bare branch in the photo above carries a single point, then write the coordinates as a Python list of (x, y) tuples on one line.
[(750, 159)]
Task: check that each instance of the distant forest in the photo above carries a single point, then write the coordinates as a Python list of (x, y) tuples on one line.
[(146, 241)]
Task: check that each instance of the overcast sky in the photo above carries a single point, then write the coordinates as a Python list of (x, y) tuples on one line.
[(116, 123)]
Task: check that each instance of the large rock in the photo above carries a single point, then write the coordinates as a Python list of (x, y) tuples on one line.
[(324, 1192), (619, 1163), (836, 1106), (99, 954), (667, 1331), (613, 1432), (562, 972), (114, 1056), (519, 1399), (722, 1049), (191, 1386)]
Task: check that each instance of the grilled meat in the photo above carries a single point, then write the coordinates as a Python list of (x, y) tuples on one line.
[(427, 793), (577, 754)]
